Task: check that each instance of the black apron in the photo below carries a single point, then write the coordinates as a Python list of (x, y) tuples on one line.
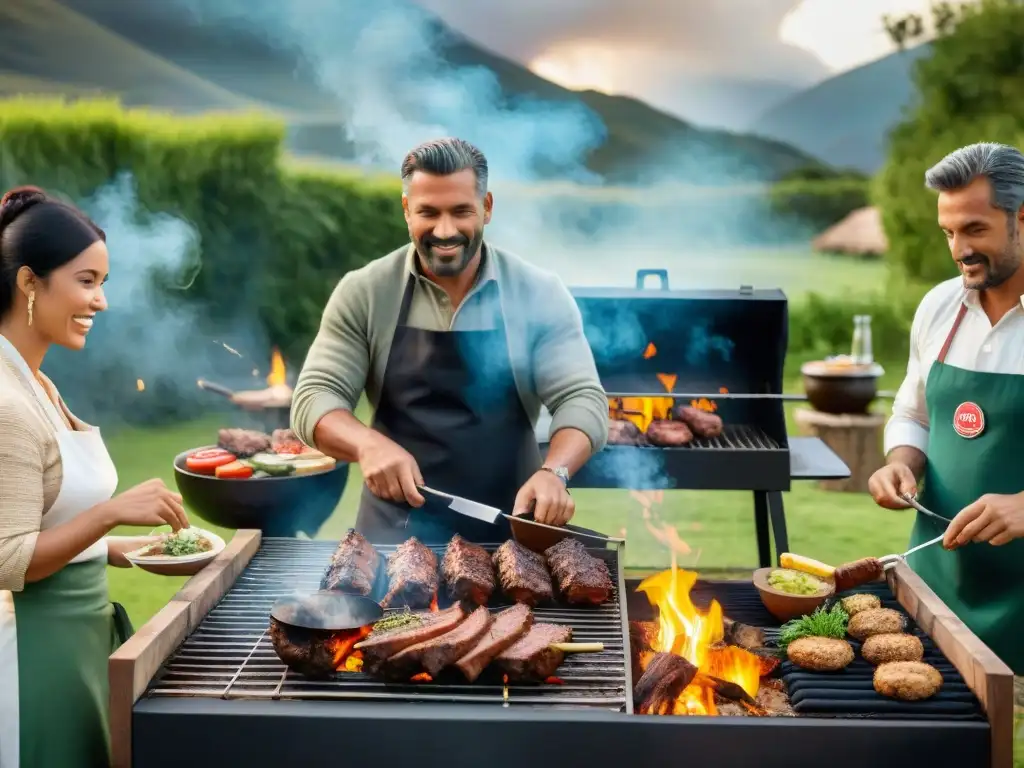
[(449, 398)]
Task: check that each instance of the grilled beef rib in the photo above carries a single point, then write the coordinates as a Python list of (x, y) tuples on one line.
[(508, 626), (412, 576), (468, 571), (353, 567), (581, 577), (439, 652), (380, 646), (523, 574)]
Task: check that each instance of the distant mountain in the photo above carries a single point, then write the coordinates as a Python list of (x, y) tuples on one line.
[(844, 120), (153, 54)]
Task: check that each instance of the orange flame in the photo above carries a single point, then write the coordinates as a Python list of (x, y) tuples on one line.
[(433, 603), (140, 385), (278, 373), (346, 659), (650, 351)]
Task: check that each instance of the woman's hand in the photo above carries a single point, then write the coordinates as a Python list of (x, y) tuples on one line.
[(119, 546), (149, 504)]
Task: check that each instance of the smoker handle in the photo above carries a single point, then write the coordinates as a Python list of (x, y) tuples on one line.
[(643, 274)]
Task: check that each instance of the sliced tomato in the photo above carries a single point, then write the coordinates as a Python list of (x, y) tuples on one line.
[(205, 465), (236, 470), (209, 453)]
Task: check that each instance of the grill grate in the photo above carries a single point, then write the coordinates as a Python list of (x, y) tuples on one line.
[(230, 654), (849, 693), (734, 437)]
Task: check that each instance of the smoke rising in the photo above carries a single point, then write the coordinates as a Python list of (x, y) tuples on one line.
[(150, 332)]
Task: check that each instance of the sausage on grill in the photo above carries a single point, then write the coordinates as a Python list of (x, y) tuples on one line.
[(702, 423), (852, 575), (668, 434)]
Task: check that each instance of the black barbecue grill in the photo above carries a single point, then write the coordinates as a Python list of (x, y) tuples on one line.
[(235, 704), (230, 655), (726, 347)]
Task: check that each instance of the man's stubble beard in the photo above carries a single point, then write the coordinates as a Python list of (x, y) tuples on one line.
[(997, 273)]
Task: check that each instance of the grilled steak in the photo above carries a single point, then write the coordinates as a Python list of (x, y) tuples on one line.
[(353, 566), (622, 432), (468, 571), (243, 442), (523, 575), (412, 576), (437, 653), (581, 577), (665, 433), (702, 423), (379, 646), (531, 657), (508, 626)]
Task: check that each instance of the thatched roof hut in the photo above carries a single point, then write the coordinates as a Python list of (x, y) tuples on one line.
[(860, 233)]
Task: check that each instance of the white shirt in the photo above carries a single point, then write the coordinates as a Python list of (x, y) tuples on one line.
[(977, 346)]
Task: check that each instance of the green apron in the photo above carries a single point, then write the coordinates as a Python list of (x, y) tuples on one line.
[(67, 628), (982, 584)]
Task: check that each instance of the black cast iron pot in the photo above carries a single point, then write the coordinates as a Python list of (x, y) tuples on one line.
[(277, 506), (838, 388)]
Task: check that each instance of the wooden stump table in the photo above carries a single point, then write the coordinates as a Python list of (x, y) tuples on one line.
[(856, 439)]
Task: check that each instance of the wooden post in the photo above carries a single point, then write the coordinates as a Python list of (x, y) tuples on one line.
[(132, 666), (855, 438), (985, 674)]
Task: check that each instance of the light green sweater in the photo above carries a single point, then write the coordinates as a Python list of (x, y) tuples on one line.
[(551, 359)]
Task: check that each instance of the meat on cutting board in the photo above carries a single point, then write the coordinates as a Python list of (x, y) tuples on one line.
[(353, 567), (532, 657), (581, 577), (412, 576), (439, 652), (380, 646), (468, 571), (507, 627), (523, 574)]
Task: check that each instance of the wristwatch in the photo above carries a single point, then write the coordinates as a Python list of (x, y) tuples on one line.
[(562, 473)]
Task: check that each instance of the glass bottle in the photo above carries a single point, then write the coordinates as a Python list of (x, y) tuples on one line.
[(861, 353)]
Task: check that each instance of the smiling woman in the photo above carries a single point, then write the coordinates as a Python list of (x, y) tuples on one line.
[(57, 625)]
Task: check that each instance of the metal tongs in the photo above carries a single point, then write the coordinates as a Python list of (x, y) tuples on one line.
[(890, 561)]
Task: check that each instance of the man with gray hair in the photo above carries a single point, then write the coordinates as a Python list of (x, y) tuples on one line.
[(457, 345), (958, 418)]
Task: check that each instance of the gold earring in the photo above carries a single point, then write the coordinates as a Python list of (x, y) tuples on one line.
[(31, 303)]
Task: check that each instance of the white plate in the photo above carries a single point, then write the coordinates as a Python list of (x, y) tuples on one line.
[(183, 564)]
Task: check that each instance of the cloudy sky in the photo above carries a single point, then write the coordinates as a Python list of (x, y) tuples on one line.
[(713, 61)]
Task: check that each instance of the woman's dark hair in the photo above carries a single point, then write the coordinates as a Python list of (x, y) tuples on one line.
[(41, 233)]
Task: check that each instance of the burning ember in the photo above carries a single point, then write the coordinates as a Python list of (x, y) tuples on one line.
[(341, 644), (140, 385), (278, 375), (685, 631)]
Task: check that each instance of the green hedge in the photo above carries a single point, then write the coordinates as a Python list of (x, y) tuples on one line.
[(970, 89), (816, 204)]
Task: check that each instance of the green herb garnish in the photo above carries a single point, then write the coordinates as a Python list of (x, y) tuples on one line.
[(397, 620), (821, 623)]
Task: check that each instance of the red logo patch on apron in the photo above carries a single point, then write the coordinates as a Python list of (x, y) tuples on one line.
[(968, 420)]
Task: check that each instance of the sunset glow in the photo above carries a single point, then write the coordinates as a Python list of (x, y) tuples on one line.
[(579, 67)]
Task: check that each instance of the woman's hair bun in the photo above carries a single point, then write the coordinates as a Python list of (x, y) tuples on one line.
[(17, 200)]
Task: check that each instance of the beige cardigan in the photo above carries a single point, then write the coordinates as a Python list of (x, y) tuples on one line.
[(30, 473)]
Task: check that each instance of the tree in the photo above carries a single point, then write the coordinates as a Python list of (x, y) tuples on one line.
[(903, 29), (969, 89)]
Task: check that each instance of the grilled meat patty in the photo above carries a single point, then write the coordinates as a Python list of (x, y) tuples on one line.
[(701, 423), (907, 680), (531, 657), (468, 571), (435, 654), (820, 654), (353, 566), (508, 626), (665, 433), (622, 432), (380, 646), (879, 649), (523, 574), (878, 621), (855, 604), (581, 577), (243, 442), (412, 575)]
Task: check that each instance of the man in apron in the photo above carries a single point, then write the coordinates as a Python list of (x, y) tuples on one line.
[(958, 418), (457, 345)]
